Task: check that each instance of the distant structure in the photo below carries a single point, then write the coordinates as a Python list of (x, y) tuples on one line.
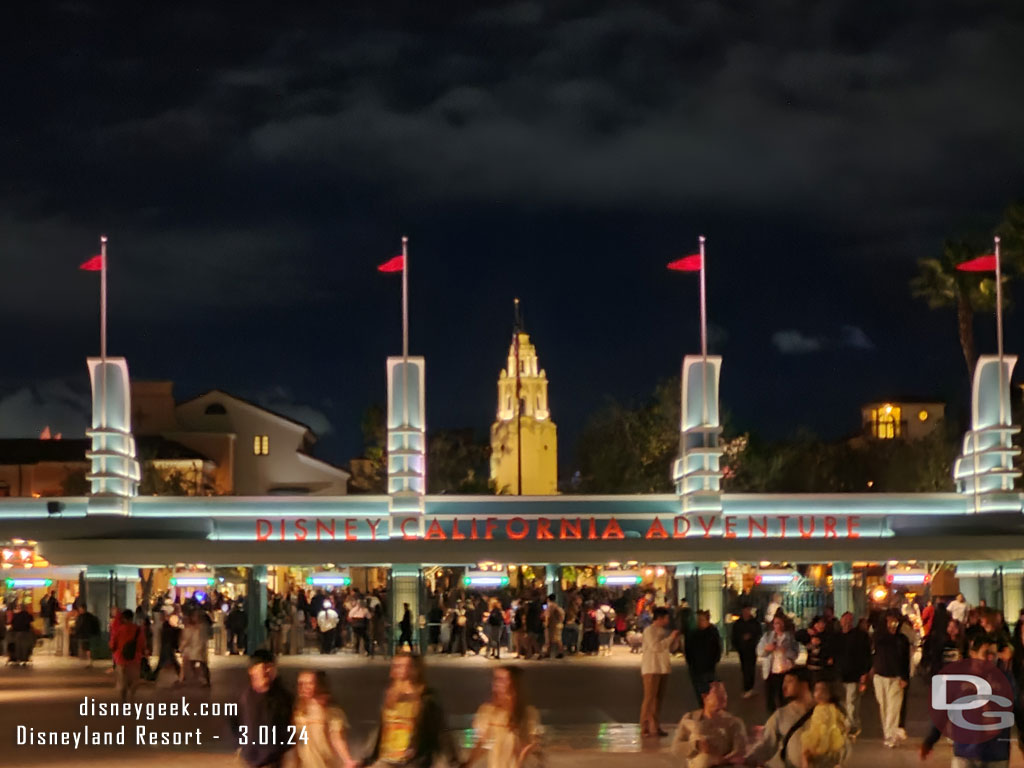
[(905, 419), (524, 440)]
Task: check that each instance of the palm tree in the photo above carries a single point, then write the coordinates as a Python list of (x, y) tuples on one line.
[(942, 285)]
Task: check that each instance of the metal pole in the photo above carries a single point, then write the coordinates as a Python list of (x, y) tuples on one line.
[(999, 333), (103, 336), (519, 411)]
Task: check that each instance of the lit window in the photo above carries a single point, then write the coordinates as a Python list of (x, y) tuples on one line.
[(261, 445), (885, 422)]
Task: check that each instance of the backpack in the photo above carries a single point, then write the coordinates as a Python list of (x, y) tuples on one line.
[(130, 648), (608, 622)]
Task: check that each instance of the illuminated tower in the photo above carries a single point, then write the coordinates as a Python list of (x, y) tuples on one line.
[(524, 443)]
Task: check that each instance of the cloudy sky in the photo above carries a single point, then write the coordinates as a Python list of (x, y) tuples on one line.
[(252, 169)]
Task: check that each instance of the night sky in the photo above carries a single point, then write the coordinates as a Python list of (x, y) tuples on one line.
[(252, 164)]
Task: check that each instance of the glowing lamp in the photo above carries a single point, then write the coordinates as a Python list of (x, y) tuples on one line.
[(28, 583), (485, 579), (192, 581), (328, 580), (879, 593), (619, 579)]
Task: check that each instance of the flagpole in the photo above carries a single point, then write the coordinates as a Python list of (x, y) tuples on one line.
[(405, 331), (103, 330), (703, 338), (999, 331)]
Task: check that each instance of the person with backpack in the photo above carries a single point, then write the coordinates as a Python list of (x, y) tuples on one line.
[(327, 626), (494, 626), (605, 628), (129, 645), (780, 744)]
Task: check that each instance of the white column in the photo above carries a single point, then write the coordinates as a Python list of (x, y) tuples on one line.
[(1013, 591), (842, 588), (711, 581)]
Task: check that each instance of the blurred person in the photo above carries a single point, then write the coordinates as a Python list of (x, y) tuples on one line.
[(495, 624), (554, 621), (325, 724), (266, 704), (852, 648), (825, 740), (327, 626), (506, 727), (129, 646), (780, 744), (412, 731), (958, 608), (710, 736), (87, 632), (405, 629)]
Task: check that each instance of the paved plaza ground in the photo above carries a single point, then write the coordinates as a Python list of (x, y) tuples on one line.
[(589, 706)]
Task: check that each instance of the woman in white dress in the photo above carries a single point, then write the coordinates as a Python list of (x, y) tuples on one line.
[(506, 728)]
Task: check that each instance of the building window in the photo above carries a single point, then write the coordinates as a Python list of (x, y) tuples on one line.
[(215, 409), (885, 422), (261, 445)]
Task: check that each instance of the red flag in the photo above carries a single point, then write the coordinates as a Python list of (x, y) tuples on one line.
[(689, 263), (95, 264), (986, 263), (394, 264)]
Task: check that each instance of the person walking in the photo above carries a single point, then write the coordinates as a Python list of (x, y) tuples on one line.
[(327, 626), (959, 608), (265, 704), (655, 667), (405, 629), (87, 632), (703, 652), (605, 628), (890, 671), (780, 744), (495, 624), (554, 621), (744, 635), (412, 732), (825, 740), (993, 752), (506, 728), (710, 736), (129, 645), (852, 652), (778, 651), (322, 724)]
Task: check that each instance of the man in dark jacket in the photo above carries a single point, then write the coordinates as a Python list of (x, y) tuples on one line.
[(891, 670), (851, 648), (87, 630), (703, 652), (818, 642), (746, 632), (265, 703)]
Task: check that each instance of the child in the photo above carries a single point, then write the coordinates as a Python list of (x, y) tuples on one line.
[(825, 738)]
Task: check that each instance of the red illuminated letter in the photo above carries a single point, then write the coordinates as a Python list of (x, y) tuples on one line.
[(520, 534), (805, 534), (300, 526), (730, 527), (489, 526), (656, 531), (434, 531), (570, 530), (262, 535), (706, 525), (350, 530), (544, 528), (321, 527), (457, 535), (852, 524), (405, 534), (782, 525), (676, 532), (373, 528), (762, 527), (612, 530), (830, 527)]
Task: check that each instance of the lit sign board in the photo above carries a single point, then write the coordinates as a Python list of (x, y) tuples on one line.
[(619, 578), (28, 583), (778, 576), (329, 579), (456, 528), (484, 579)]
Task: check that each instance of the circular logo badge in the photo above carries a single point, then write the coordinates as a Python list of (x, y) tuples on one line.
[(971, 701)]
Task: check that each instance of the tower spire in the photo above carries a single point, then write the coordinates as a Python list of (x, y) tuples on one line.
[(517, 317)]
